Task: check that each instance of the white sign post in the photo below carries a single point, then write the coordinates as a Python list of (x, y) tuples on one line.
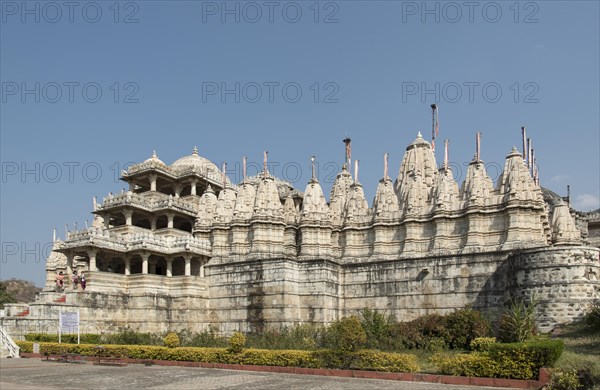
[(67, 320)]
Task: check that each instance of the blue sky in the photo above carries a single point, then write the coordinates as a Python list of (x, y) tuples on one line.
[(90, 87)]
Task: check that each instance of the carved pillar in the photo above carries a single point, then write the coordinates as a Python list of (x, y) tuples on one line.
[(153, 222), (170, 218), (193, 189), (169, 266), (145, 257), (131, 186), (128, 265), (92, 255), (128, 217), (202, 263), (107, 221), (153, 182), (177, 190), (188, 265)]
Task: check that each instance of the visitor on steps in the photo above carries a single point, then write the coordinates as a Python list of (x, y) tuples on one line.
[(74, 279), (82, 281), (60, 284)]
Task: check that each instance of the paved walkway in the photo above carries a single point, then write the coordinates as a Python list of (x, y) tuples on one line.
[(33, 374)]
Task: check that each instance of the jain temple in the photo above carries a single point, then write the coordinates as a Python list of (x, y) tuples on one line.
[(185, 248)]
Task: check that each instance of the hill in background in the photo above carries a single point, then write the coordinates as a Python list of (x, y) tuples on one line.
[(15, 290)]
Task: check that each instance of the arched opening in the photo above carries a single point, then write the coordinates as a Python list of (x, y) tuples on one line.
[(183, 224), (161, 221), (141, 220), (178, 266)]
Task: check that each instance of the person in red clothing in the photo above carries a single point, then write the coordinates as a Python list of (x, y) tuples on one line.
[(82, 281), (60, 284)]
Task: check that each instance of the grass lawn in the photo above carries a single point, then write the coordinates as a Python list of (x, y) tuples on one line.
[(582, 350)]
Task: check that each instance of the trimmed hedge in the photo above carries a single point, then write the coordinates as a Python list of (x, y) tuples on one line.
[(514, 360), (361, 360), (66, 338)]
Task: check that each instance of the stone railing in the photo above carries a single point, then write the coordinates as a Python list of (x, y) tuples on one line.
[(135, 241), (8, 343), (164, 202)]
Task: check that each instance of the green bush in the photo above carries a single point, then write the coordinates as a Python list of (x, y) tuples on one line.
[(464, 325), (515, 360), (171, 340), (363, 360), (376, 327), (346, 335), (303, 336), (517, 322), (237, 342), (564, 380), (206, 338), (592, 316), (482, 344)]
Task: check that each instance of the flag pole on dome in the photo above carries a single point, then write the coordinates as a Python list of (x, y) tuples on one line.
[(356, 171), (478, 146), (435, 124), (224, 175)]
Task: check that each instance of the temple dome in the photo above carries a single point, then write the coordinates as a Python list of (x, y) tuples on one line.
[(199, 164), (154, 159)]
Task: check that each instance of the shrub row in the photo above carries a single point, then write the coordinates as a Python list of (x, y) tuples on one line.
[(514, 360), (65, 338), (361, 360)]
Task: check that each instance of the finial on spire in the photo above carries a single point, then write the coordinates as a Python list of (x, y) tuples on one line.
[(356, 171), (385, 165), (524, 136), (54, 235), (66, 231), (478, 146), (86, 224), (314, 176), (195, 151), (446, 142), (419, 135), (244, 162), (265, 155), (94, 203), (529, 153), (347, 151), (154, 154), (224, 175)]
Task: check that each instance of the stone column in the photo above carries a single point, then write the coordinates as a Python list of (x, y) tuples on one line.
[(145, 257), (153, 182), (131, 186), (188, 265), (170, 218), (153, 222), (202, 263), (107, 221), (128, 265), (92, 255), (193, 189), (177, 190), (69, 264), (169, 266), (128, 217)]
